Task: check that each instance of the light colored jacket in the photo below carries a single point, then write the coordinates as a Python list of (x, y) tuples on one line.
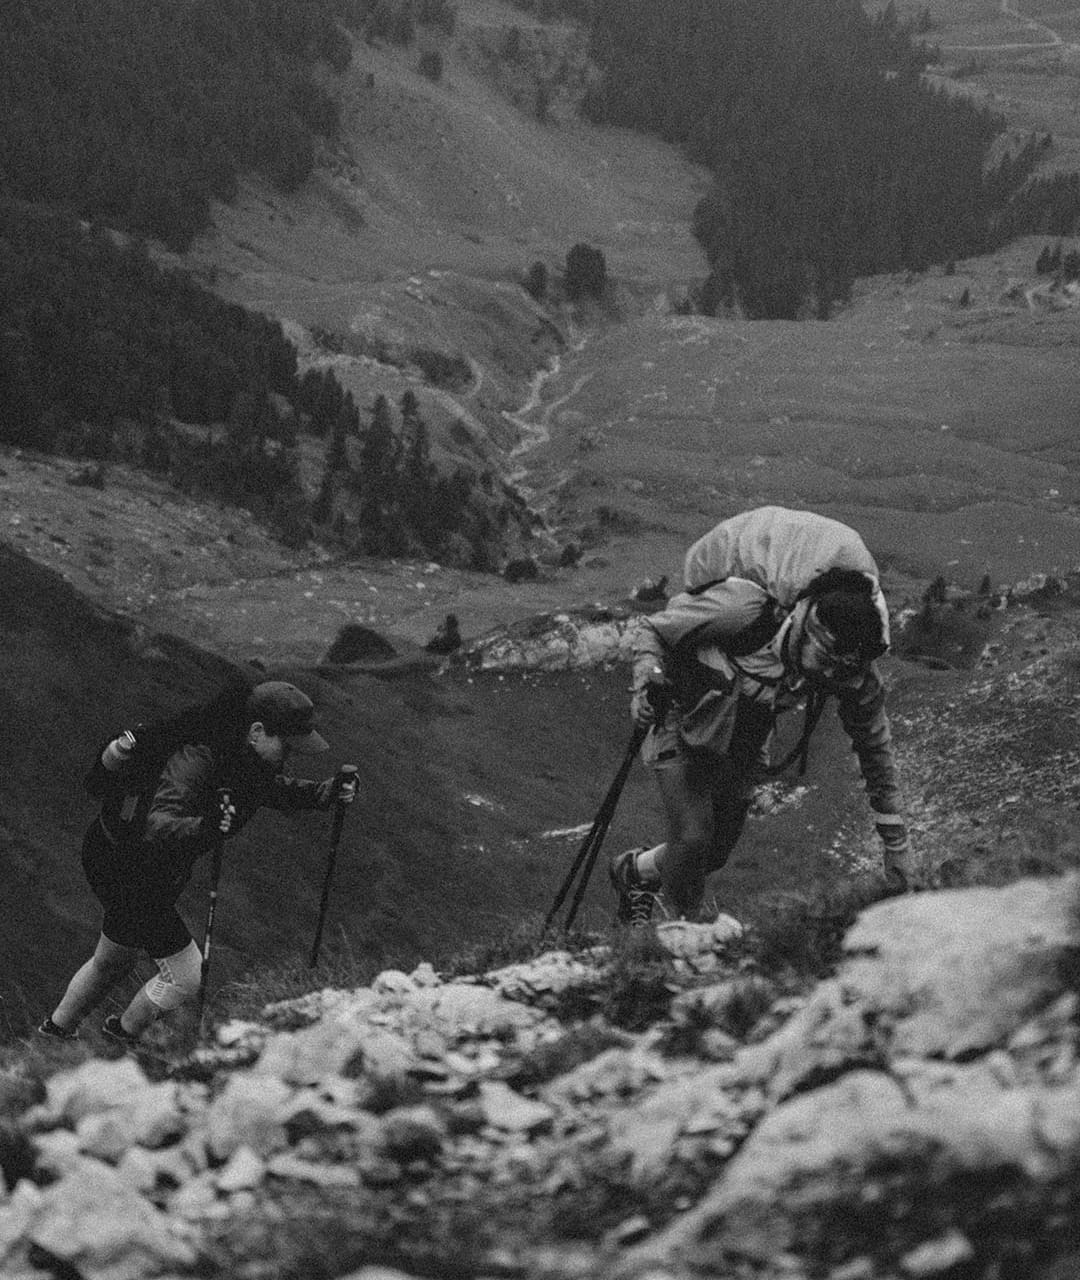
[(722, 642)]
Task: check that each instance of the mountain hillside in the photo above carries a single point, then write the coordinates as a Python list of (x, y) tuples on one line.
[(936, 413), (813, 1083), (422, 224)]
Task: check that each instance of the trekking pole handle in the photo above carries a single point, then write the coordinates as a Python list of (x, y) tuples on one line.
[(347, 773), (225, 812)]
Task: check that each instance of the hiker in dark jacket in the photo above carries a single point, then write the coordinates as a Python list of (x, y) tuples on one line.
[(780, 608), (138, 865)]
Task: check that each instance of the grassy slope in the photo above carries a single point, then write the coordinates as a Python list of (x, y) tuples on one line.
[(945, 432)]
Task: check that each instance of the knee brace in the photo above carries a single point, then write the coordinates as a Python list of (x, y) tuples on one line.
[(177, 979)]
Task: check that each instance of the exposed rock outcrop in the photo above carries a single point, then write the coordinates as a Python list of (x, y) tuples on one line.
[(915, 1114)]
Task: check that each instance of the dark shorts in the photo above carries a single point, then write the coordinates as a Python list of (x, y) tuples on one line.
[(134, 914)]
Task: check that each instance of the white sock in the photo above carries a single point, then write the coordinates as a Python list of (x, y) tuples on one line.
[(647, 864)]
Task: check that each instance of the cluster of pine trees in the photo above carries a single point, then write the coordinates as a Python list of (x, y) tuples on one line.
[(382, 493), (105, 355), (1054, 261), (832, 157), (139, 112), (131, 115), (1045, 206), (92, 331)]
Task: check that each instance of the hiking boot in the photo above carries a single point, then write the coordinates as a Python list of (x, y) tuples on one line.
[(636, 899), (55, 1032), (113, 1027)]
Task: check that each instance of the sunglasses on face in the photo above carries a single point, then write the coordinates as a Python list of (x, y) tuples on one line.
[(817, 655)]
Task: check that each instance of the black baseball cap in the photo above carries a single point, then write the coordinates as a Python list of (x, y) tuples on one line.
[(286, 712)]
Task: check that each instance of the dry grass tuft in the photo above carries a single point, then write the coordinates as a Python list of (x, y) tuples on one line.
[(511, 942), (247, 996), (800, 934), (640, 981)]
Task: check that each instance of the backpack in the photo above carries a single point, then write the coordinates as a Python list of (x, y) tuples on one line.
[(126, 792), (783, 551), (790, 555)]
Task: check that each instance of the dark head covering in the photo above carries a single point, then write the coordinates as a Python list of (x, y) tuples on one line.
[(854, 623), (287, 713)]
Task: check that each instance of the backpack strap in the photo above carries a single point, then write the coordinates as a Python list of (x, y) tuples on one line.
[(702, 587), (815, 705)]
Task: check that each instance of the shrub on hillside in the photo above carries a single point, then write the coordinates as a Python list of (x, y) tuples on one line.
[(431, 64), (800, 934), (639, 981), (586, 273), (442, 369), (535, 283), (946, 633)]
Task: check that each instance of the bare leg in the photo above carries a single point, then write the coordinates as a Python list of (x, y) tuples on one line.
[(109, 964), (176, 984), (686, 789), (139, 1014), (706, 799)]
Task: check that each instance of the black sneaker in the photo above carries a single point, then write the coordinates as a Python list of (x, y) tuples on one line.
[(113, 1027), (54, 1032), (636, 900)]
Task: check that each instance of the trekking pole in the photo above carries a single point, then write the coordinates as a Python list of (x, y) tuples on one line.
[(346, 773), (215, 878), (590, 846)]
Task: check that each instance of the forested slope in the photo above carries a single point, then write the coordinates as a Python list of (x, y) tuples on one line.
[(832, 157)]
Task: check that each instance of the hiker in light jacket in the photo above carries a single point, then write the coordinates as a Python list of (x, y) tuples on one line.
[(139, 854), (779, 607)]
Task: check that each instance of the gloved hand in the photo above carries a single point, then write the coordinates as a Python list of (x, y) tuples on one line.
[(650, 698), (346, 787), (224, 812), (897, 853)]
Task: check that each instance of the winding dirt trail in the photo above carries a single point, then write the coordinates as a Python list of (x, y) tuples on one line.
[(536, 430), (1052, 39)]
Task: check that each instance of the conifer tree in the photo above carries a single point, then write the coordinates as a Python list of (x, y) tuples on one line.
[(379, 482)]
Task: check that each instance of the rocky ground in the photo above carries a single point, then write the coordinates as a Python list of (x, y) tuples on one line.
[(656, 1107)]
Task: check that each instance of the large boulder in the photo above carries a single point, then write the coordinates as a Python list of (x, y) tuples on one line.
[(943, 975), (932, 1147), (922, 1108), (582, 638)]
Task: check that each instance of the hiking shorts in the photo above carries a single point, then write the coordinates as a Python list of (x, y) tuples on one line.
[(735, 730), (134, 914)]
